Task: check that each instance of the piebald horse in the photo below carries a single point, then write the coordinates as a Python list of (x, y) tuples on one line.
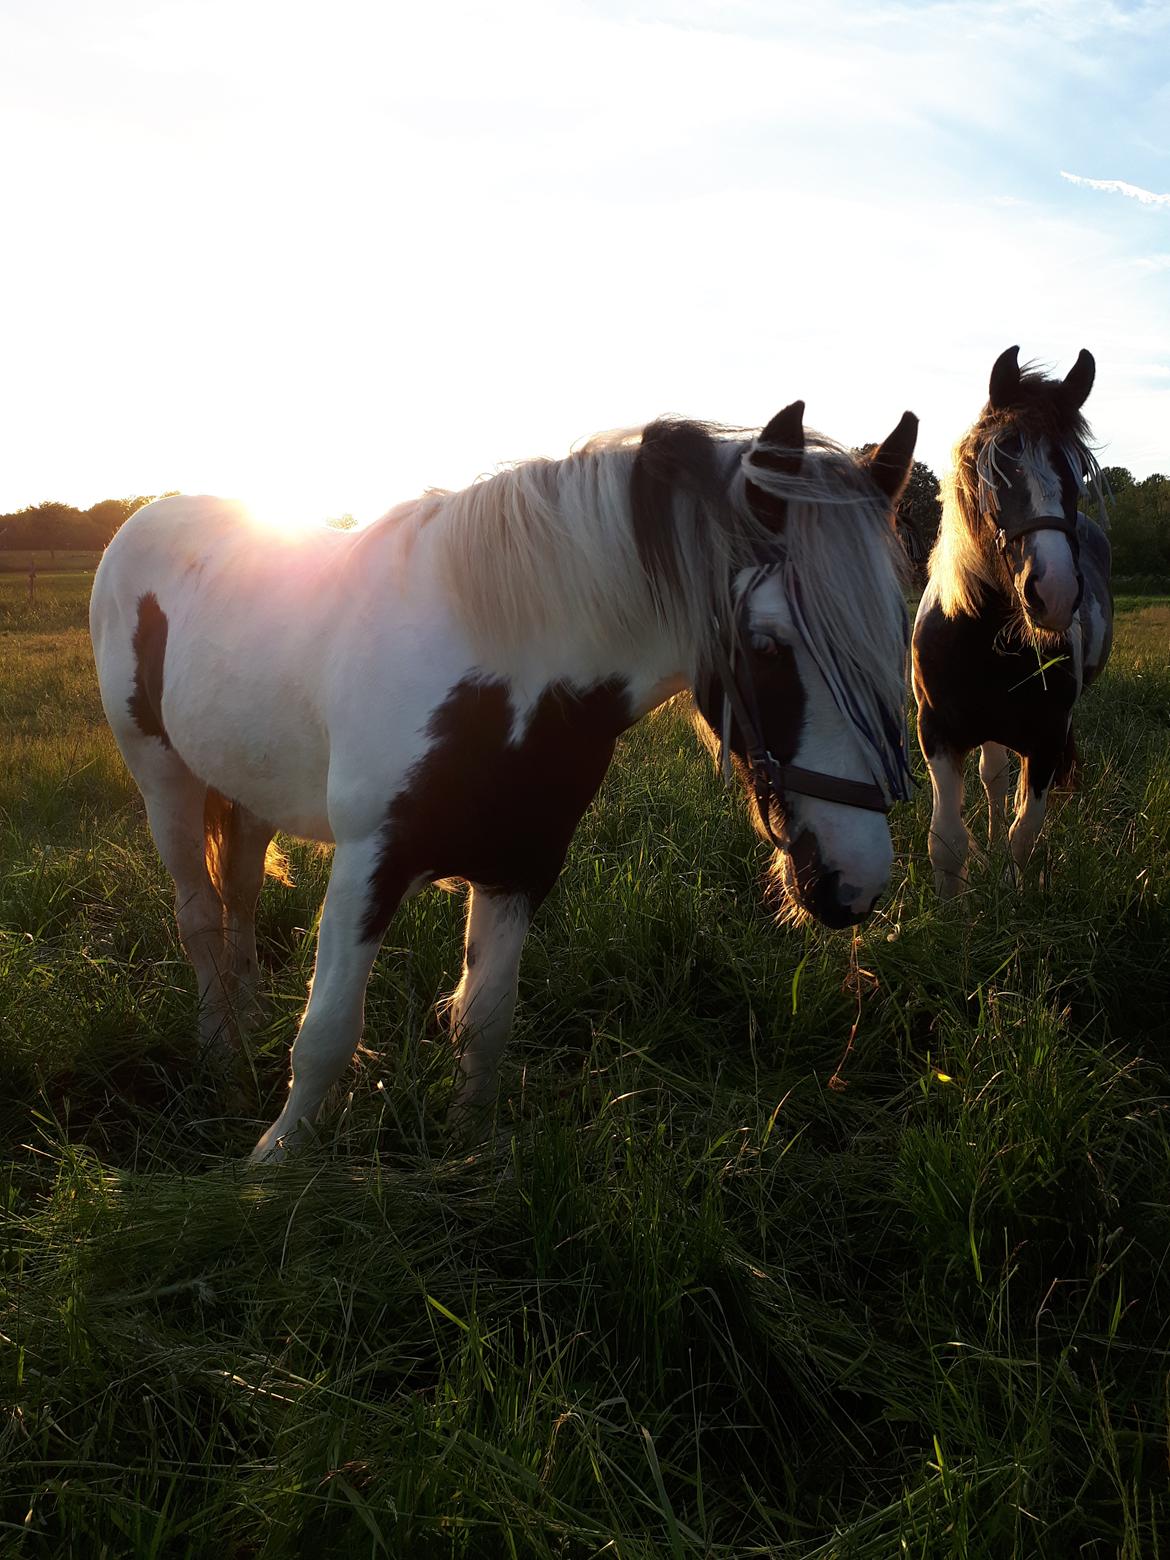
[(1016, 619), (439, 695)]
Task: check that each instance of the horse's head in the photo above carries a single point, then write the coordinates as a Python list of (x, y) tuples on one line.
[(807, 688), (1029, 470)]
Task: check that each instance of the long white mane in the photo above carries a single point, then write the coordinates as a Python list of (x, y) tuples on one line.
[(552, 546)]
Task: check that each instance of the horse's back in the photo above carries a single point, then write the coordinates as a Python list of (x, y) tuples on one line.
[(155, 546), (209, 633)]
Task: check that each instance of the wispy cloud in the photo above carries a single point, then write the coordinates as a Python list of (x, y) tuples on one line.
[(1118, 187)]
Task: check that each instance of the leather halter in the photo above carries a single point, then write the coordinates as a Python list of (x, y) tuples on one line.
[(1006, 534), (770, 778)]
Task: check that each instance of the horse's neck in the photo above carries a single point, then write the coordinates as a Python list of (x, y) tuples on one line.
[(575, 655), (649, 678)]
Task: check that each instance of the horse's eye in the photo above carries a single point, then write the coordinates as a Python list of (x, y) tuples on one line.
[(766, 644)]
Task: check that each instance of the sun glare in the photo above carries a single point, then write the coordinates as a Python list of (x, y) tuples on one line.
[(276, 511)]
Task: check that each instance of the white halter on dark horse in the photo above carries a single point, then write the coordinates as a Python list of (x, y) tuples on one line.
[(1016, 619), (439, 696)]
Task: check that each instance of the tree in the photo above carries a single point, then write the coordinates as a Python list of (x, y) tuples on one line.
[(52, 526), (919, 514), (103, 519), (1139, 523)]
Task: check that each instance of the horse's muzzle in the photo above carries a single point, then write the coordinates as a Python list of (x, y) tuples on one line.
[(825, 892)]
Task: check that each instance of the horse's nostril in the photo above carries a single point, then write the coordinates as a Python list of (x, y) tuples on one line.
[(827, 904)]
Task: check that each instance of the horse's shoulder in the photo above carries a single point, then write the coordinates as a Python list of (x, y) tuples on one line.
[(931, 623)]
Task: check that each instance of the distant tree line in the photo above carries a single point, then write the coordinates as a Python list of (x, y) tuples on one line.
[(1139, 521), (61, 528)]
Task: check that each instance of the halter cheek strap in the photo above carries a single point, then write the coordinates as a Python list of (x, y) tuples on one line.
[(1005, 534), (770, 778)]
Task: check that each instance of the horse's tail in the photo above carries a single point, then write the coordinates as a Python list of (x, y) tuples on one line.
[(221, 822)]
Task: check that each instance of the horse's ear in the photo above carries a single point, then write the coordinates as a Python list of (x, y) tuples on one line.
[(780, 448), (1079, 380), (781, 445), (1005, 380), (890, 462)]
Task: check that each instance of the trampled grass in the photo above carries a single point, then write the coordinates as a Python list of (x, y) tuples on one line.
[(730, 1286)]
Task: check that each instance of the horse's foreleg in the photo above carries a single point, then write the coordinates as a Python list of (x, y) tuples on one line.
[(950, 842), (484, 1001), (994, 772), (1031, 801), (347, 944)]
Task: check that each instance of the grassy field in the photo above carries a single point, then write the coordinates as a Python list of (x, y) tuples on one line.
[(16, 560), (733, 1288)]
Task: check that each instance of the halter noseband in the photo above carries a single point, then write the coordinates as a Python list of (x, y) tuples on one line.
[(1006, 534), (770, 778)]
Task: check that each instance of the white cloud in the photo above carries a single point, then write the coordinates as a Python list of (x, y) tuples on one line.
[(1118, 187)]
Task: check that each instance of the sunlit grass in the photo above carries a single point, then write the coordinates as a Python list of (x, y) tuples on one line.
[(700, 1302)]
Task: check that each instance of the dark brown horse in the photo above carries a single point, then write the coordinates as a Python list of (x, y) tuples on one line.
[(1016, 619)]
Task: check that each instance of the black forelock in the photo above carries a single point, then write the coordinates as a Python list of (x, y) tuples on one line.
[(1039, 410), (675, 456)]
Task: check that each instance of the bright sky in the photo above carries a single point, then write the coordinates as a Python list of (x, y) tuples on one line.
[(324, 255)]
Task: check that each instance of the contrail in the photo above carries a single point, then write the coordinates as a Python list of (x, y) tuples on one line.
[(1119, 187)]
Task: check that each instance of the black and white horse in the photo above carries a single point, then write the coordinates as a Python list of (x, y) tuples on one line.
[(1016, 620), (439, 695)]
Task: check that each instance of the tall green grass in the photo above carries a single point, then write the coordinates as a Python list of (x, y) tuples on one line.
[(797, 1244)]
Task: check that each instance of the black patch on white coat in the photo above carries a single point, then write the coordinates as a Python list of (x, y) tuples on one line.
[(150, 646), (493, 812)]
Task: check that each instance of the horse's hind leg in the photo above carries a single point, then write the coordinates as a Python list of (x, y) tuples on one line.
[(995, 773), (351, 932), (484, 1002), (175, 811), (238, 844)]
